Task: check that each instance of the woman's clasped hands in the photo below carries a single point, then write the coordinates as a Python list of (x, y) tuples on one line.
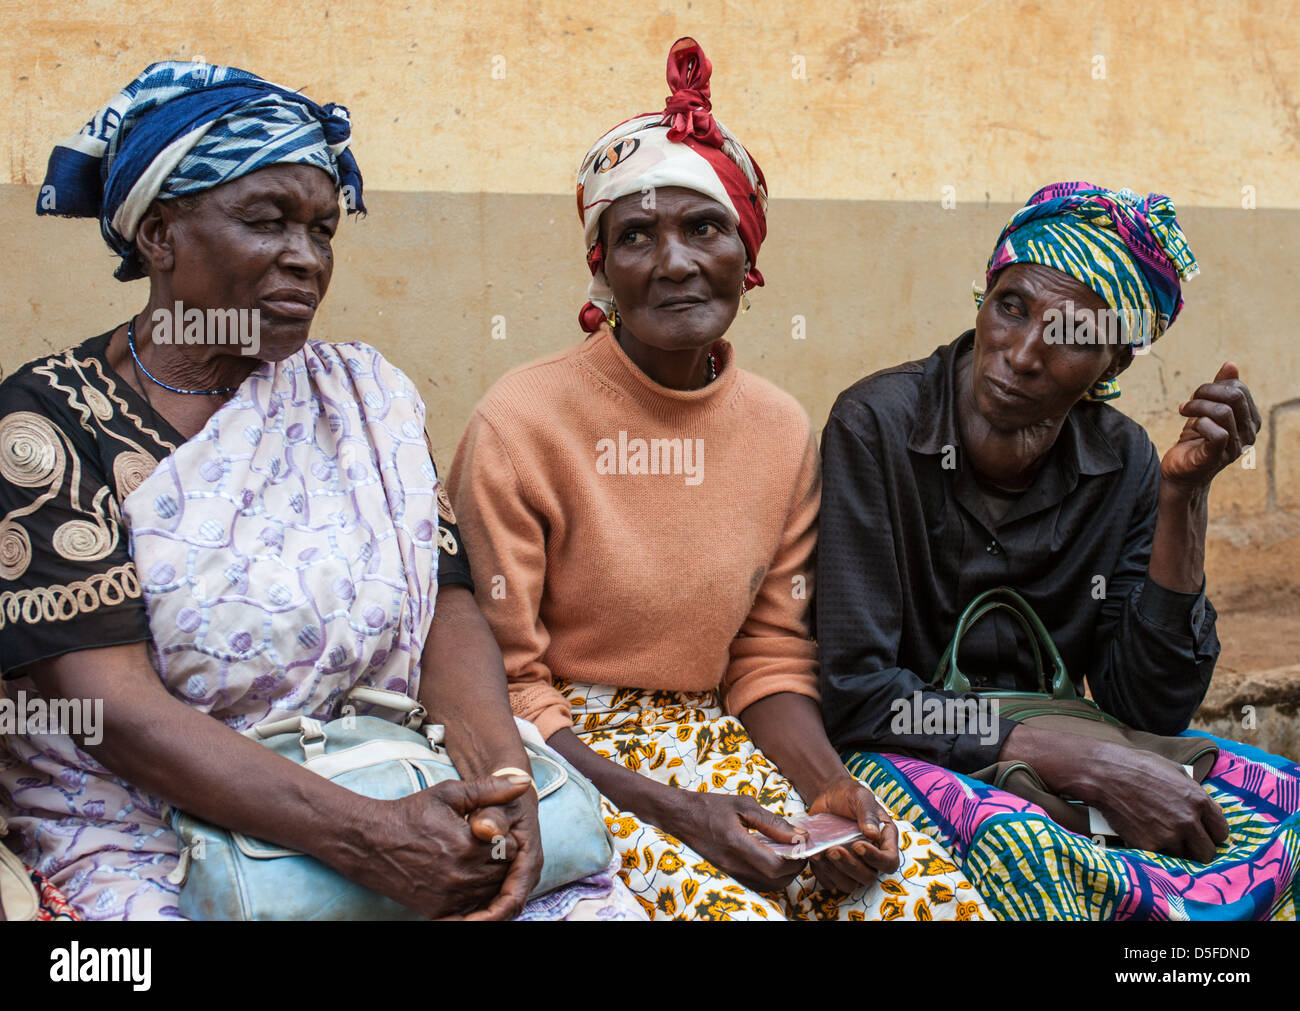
[(460, 845)]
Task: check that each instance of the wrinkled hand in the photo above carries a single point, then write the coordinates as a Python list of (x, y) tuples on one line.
[(1154, 805), (1222, 420), (421, 851), (856, 865), (499, 826), (717, 827)]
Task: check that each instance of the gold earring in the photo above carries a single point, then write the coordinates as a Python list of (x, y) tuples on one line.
[(613, 316), (744, 298)]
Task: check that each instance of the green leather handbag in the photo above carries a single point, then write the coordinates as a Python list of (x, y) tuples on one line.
[(1057, 707)]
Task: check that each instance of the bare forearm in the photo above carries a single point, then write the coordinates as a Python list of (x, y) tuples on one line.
[(1178, 544), (199, 765), (1221, 420), (463, 686), (788, 729), (631, 791), (1069, 764)]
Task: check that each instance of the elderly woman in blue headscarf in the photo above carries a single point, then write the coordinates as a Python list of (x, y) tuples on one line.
[(210, 523), (998, 462)]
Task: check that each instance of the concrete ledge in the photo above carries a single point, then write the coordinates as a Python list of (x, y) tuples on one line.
[(1259, 708)]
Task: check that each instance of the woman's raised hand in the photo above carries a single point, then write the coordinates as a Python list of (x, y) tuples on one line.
[(1222, 420)]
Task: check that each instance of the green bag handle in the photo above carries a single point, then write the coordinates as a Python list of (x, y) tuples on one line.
[(948, 675)]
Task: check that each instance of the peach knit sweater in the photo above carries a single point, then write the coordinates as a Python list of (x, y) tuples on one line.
[(623, 533)]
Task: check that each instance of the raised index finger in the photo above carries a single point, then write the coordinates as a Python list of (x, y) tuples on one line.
[(1229, 377), (1228, 370)]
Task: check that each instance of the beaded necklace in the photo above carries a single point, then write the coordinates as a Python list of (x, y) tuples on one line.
[(130, 342)]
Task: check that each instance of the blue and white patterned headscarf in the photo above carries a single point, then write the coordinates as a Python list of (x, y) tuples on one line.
[(181, 128)]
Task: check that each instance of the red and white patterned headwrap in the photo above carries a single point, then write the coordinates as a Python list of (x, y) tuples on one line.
[(684, 146)]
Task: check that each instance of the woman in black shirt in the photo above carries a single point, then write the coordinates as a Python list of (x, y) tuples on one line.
[(997, 462)]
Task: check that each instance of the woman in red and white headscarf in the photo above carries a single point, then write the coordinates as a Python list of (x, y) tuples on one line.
[(648, 512)]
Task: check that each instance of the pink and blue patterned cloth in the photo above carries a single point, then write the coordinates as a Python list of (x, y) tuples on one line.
[(1026, 867)]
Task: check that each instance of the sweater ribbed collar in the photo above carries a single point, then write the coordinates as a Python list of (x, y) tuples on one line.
[(605, 357)]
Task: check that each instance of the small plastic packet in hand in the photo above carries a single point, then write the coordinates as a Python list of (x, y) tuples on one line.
[(820, 832)]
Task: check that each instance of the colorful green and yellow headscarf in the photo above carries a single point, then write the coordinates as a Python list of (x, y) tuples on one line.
[(1129, 250)]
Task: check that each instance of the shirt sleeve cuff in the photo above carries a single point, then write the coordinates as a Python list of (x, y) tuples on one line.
[(970, 753), (740, 696), (454, 577), (1170, 610)]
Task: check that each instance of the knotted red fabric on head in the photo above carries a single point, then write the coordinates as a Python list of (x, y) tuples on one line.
[(684, 146), (688, 112)]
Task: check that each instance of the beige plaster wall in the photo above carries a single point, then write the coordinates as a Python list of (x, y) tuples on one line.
[(470, 118), (866, 100), (429, 278)]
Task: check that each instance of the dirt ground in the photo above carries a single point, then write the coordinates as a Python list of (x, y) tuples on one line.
[(1258, 673), (1260, 639)]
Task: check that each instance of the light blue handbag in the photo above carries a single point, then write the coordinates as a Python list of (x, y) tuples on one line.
[(230, 876)]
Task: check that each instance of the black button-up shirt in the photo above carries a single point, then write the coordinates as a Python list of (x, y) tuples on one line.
[(907, 541)]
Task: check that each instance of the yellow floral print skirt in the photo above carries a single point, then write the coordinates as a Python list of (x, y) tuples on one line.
[(683, 739)]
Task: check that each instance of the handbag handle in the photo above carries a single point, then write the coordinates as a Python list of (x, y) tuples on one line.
[(1055, 683), (413, 713)]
